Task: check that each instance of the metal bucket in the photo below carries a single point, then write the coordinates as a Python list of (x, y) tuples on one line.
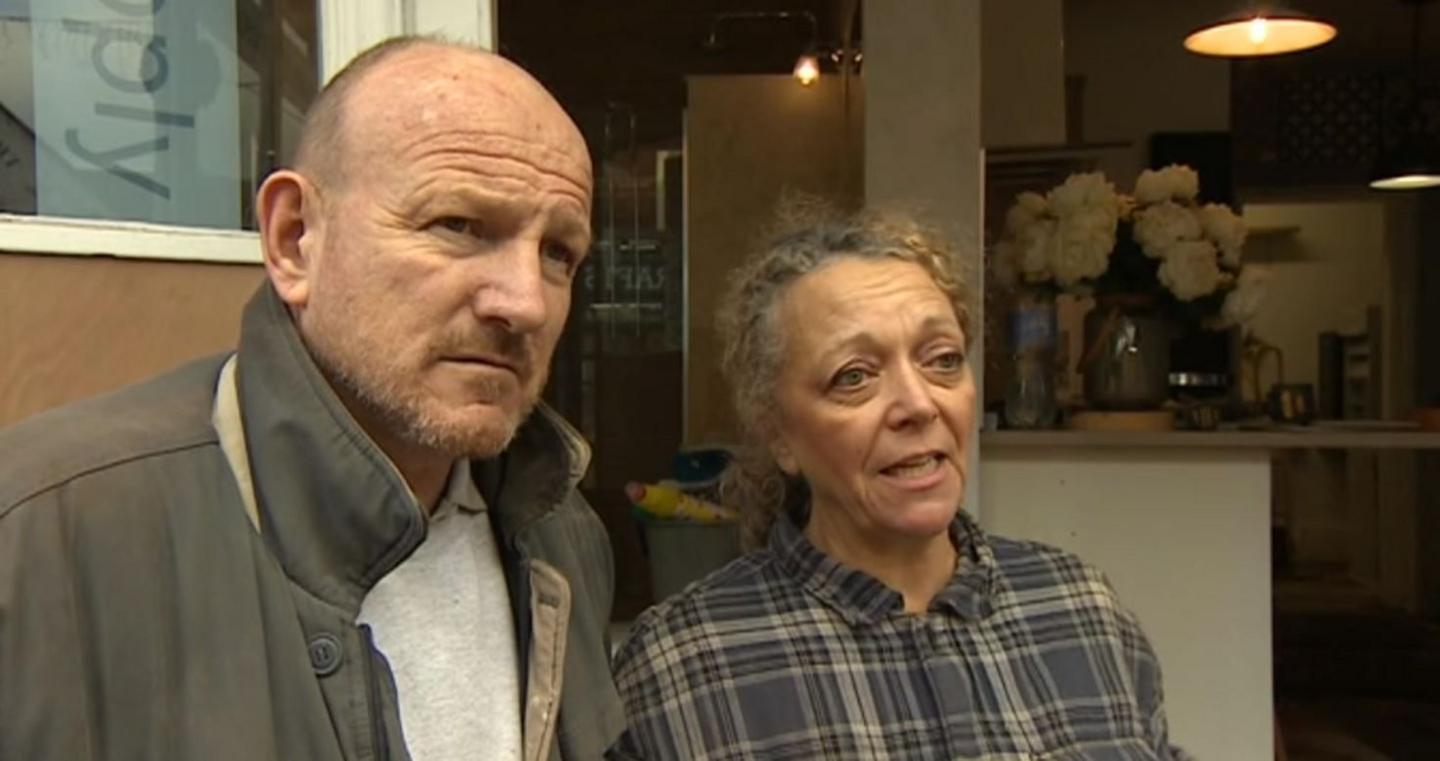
[(684, 551)]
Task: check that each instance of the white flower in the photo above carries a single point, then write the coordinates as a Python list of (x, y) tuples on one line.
[(1190, 269), (1177, 182), (1094, 218), (1226, 229), (1243, 302), (1088, 190), (1082, 249), (1027, 210), (1023, 253), (1159, 227), (1034, 251)]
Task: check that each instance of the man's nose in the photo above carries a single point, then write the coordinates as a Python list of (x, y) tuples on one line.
[(513, 291)]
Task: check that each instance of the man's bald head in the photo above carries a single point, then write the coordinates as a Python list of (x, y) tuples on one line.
[(426, 243), (332, 122)]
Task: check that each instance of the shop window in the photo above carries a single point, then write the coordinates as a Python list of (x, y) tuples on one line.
[(160, 111)]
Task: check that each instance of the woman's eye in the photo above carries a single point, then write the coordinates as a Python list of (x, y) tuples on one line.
[(848, 378), (950, 360)]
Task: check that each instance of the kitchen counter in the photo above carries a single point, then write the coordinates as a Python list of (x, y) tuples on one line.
[(1180, 524)]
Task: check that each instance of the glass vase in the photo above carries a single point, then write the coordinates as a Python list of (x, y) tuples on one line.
[(1127, 354), (1030, 394)]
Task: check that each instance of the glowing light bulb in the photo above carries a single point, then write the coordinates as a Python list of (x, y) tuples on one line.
[(807, 70), (1259, 30), (1243, 36)]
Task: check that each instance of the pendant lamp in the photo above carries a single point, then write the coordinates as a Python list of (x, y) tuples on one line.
[(1260, 32), (1414, 162)]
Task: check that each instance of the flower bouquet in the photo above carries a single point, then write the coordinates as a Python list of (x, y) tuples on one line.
[(1155, 261), (1158, 244)]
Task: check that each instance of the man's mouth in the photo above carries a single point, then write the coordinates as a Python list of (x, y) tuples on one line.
[(487, 361)]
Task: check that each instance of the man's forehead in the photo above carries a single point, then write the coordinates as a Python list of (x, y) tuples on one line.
[(435, 88), (434, 78)]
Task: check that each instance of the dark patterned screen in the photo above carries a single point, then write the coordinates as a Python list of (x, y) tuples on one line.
[(1330, 120), (1327, 126)]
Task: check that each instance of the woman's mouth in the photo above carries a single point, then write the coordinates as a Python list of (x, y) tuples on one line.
[(915, 467)]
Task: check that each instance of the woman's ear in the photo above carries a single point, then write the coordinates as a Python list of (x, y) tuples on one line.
[(287, 212), (784, 457)]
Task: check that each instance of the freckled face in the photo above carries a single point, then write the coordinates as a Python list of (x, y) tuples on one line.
[(442, 264), (875, 399)]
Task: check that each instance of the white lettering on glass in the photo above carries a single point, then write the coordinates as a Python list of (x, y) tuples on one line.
[(142, 120)]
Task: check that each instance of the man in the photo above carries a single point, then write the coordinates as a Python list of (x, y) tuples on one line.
[(357, 537)]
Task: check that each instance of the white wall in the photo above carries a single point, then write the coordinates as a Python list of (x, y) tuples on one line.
[(1184, 537)]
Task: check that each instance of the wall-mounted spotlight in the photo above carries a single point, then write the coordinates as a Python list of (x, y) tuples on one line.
[(807, 66), (807, 69)]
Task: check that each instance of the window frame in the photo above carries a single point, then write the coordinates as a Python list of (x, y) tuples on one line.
[(345, 28)]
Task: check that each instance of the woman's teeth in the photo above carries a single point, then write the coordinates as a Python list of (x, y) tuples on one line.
[(915, 467)]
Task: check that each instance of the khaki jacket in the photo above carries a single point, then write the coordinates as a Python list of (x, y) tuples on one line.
[(142, 616)]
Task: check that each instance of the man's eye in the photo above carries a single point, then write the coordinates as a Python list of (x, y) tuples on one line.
[(458, 225), (560, 254)]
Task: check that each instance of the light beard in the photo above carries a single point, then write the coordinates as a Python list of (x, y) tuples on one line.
[(407, 413)]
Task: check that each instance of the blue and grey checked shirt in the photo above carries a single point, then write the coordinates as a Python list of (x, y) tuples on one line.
[(786, 653)]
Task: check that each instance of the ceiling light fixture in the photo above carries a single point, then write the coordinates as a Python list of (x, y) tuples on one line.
[(807, 70), (1413, 163), (807, 66), (1260, 32)]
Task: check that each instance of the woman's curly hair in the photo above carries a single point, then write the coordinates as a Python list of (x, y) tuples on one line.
[(810, 236)]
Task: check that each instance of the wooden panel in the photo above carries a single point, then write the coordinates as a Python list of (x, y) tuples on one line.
[(749, 139), (71, 327)]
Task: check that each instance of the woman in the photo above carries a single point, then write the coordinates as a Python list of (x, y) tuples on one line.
[(876, 621)]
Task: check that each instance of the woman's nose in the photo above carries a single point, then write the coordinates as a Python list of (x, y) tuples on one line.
[(912, 399)]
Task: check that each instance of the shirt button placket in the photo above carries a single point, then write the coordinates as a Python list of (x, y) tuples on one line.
[(939, 667)]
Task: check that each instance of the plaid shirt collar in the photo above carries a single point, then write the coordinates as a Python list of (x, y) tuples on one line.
[(864, 600)]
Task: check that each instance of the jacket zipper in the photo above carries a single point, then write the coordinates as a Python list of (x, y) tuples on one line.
[(372, 689)]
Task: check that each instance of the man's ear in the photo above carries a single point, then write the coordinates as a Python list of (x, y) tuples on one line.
[(287, 211)]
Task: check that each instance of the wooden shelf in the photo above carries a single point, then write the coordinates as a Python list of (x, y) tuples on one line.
[(1271, 231)]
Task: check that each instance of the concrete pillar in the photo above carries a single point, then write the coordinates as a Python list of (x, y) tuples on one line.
[(922, 134)]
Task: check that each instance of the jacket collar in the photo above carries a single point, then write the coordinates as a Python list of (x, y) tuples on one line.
[(862, 599), (541, 467), (333, 507)]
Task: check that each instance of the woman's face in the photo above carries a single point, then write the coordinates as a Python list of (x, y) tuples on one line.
[(875, 399)]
